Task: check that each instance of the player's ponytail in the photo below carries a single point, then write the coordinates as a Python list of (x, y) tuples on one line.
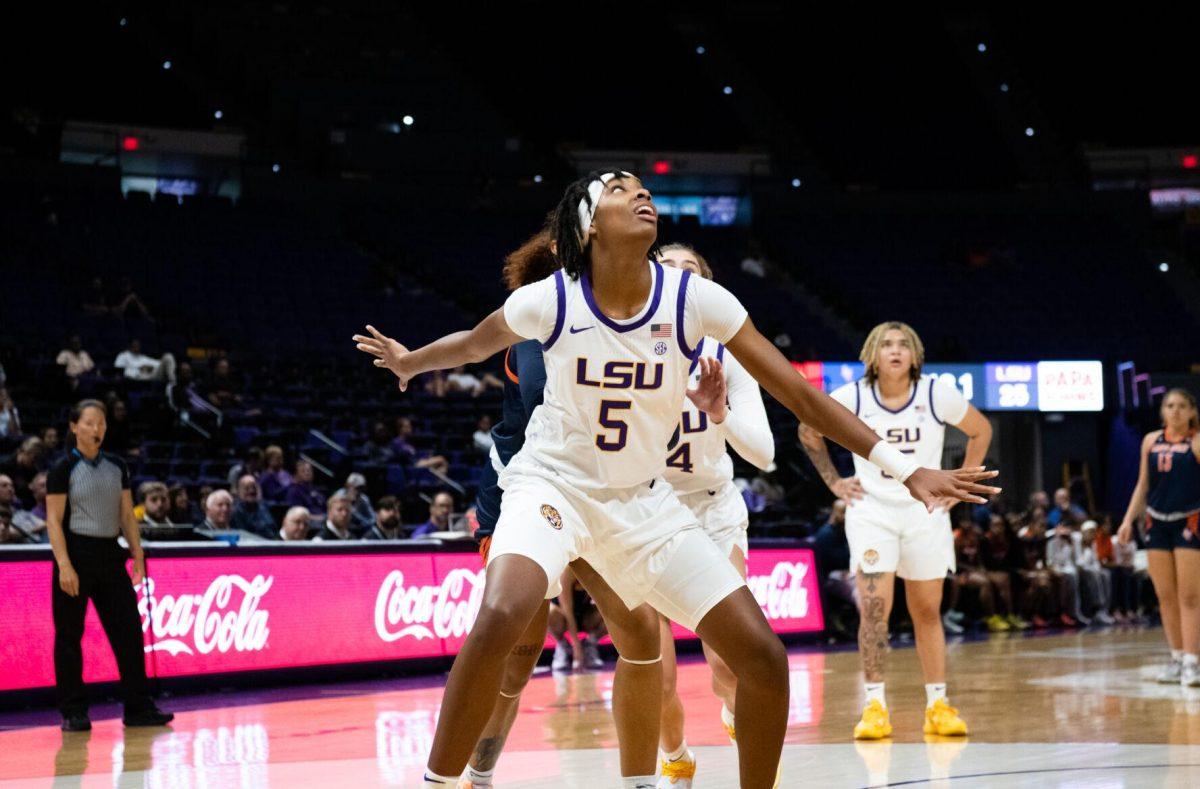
[(532, 261)]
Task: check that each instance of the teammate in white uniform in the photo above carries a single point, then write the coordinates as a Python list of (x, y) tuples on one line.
[(889, 533), (618, 334), (701, 471)]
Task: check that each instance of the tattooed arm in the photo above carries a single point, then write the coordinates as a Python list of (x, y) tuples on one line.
[(848, 488)]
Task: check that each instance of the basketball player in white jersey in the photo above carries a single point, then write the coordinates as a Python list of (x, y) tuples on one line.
[(889, 533), (701, 471), (587, 482)]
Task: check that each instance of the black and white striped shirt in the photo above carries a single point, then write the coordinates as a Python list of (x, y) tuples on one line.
[(93, 490)]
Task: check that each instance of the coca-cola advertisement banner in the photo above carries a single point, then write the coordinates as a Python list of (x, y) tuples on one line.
[(229, 613)]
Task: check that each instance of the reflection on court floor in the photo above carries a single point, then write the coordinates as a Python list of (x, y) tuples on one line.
[(1058, 711)]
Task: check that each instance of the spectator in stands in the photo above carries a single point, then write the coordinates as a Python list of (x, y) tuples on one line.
[(387, 521), (218, 511), (51, 442), (119, 439), (436, 384), (1095, 586), (249, 513), (362, 514), (274, 481), (302, 492), (439, 515), (337, 520), (7, 533), (405, 453), (1000, 561), (483, 434), (182, 396), (139, 367), (1037, 499), (1040, 597), (94, 301), (156, 504), (1060, 558), (378, 448), (831, 551), (1064, 510), (296, 524), (22, 466), (38, 488), (459, 380), (251, 464), (75, 361), (1126, 581), (182, 509), (10, 417), (127, 299), (22, 522), (402, 448), (223, 387), (994, 597)]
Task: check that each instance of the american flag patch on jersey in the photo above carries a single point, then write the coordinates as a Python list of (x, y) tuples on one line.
[(660, 330)]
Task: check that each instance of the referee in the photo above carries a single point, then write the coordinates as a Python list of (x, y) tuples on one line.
[(88, 506)]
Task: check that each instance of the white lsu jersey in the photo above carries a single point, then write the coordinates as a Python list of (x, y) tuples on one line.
[(614, 389), (918, 428), (698, 458)]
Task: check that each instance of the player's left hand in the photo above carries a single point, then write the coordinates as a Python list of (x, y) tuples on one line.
[(139, 570), (387, 352), (931, 486), (710, 393)]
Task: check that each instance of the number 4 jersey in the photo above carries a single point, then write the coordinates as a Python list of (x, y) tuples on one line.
[(918, 428), (614, 389)]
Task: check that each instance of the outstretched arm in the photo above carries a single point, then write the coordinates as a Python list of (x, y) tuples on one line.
[(828, 417), (464, 347)]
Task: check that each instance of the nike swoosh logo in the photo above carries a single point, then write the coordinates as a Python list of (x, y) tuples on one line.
[(577, 331), (431, 780)]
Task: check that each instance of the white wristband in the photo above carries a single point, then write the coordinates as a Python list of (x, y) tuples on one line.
[(893, 461)]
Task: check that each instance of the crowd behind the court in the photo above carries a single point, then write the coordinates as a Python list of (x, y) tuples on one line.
[(1049, 564)]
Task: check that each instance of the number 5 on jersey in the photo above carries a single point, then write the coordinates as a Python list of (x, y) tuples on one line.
[(605, 441)]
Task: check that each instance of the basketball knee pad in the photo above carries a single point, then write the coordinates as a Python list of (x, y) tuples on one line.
[(640, 662)]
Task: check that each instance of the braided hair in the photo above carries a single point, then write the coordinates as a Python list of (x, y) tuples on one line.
[(570, 239)]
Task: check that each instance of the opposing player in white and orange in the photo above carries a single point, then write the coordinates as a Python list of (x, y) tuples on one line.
[(701, 471), (890, 534)]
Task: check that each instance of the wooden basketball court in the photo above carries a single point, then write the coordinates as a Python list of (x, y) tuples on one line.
[(1066, 710)]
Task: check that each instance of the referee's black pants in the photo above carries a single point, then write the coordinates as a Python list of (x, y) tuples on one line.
[(100, 565)]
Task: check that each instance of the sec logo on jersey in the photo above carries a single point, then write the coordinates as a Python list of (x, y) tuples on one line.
[(552, 517), (870, 557)]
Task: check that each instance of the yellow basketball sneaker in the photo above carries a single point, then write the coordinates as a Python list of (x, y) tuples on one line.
[(677, 774), (943, 720), (874, 724), (727, 722)]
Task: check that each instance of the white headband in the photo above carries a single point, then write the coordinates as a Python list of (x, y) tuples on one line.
[(588, 212)]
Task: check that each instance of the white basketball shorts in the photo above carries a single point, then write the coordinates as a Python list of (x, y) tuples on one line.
[(903, 538)]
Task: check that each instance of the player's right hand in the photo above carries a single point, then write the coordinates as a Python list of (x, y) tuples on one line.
[(1125, 533), (387, 352), (929, 486), (848, 489)]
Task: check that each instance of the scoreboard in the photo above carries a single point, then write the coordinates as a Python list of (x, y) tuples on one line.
[(995, 386)]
